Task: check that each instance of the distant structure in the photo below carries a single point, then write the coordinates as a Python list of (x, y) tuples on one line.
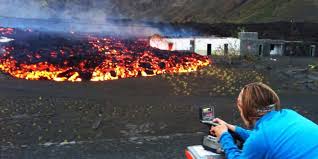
[(200, 45), (248, 43), (252, 45)]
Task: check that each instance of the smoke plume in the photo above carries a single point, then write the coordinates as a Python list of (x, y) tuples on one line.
[(69, 16)]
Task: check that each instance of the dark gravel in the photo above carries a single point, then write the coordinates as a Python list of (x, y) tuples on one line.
[(130, 118)]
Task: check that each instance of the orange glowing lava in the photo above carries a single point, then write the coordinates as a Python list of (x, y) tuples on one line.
[(95, 59), (6, 31)]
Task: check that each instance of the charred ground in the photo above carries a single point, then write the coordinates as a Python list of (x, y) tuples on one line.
[(147, 117)]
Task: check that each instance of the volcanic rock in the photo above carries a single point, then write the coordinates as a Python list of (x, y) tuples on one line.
[(313, 77)]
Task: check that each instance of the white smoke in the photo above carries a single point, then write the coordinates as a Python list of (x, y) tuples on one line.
[(96, 16), (68, 16), (4, 39)]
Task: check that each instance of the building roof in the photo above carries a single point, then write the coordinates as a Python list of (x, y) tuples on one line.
[(200, 37)]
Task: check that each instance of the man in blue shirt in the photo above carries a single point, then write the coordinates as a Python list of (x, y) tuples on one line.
[(276, 133)]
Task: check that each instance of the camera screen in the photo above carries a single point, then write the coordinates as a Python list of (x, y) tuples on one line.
[(207, 114)]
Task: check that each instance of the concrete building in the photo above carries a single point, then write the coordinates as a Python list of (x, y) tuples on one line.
[(248, 43), (299, 48), (200, 45), (251, 44), (216, 46)]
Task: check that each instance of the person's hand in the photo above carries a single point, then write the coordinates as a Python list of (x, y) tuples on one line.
[(222, 122), (219, 121), (219, 130)]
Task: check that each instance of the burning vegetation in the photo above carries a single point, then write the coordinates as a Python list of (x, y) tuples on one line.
[(38, 56)]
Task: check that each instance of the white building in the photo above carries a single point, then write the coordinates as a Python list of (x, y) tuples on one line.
[(248, 43), (199, 45), (216, 46)]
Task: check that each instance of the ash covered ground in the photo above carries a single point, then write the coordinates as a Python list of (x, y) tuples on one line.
[(146, 117)]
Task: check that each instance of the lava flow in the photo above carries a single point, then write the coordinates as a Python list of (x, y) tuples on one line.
[(6, 31), (92, 58)]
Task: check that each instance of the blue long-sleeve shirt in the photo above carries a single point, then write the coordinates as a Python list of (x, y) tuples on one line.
[(281, 134)]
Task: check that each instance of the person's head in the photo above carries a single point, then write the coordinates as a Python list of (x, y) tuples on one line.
[(255, 100)]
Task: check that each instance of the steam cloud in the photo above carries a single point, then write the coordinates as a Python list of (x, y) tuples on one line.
[(65, 15)]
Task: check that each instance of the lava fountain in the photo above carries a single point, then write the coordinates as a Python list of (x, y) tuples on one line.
[(90, 58)]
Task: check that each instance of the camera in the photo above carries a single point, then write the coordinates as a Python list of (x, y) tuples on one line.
[(209, 142), (210, 147), (207, 116)]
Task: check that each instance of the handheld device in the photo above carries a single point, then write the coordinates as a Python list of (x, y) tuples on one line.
[(210, 147), (209, 142), (207, 116)]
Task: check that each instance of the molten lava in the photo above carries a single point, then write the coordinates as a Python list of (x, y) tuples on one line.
[(92, 58), (159, 42), (6, 31)]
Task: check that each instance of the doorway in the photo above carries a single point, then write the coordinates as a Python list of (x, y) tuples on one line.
[(313, 50), (260, 50), (209, 49), (276, 50), (170, 46), (226, 49), (192, 48)]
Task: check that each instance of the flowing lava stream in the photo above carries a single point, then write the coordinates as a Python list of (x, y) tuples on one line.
[(92, 58)]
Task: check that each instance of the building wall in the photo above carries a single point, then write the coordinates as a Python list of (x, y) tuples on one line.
[(182, 44), (248, 35), (217, 45), (248, 44), (200, 45), (300, 49), (253, 47), (262, 47)]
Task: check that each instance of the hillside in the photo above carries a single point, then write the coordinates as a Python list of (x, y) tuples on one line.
[(180, 11), (276, 10)]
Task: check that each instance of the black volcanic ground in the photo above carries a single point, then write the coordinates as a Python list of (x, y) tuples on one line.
[(130, 118)]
